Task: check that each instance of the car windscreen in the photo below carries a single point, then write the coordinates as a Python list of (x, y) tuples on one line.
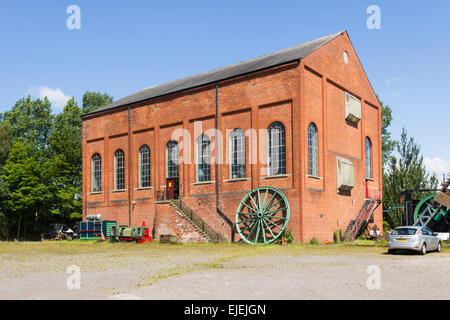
[(404, 232)]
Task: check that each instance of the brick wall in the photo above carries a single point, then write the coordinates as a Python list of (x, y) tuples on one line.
[(296, 94)]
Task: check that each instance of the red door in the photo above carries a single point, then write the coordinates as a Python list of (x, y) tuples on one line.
[(170, 188)]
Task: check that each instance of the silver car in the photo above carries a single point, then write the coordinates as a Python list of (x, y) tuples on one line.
[(420, 239)]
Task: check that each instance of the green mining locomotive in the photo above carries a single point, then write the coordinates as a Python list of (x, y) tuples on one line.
[(130, 234)]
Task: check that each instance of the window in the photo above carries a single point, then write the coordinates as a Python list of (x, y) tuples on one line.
[(346, 57), (404, 232), (237, 154), (144, 167), (352, 108), (119, 170), (345, 175), (312, 150), (368, 157), (96, 173), (172, 160), (203, 158), (277, 149)]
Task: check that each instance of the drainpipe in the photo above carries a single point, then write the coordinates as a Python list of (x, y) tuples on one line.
[(219, 211), (129, 166)]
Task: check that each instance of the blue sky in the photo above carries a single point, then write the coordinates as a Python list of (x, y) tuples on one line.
[(125, 46)]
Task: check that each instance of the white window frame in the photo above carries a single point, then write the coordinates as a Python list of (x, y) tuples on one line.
[(340, 185), (352, 112), (240, 151)]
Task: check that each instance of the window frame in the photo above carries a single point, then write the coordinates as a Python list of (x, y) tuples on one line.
[(96, 179), (368, 164), (237, 153), (119, 176), (281, 148), (313, 151), (144, 168), (172, 144), (203, 158)]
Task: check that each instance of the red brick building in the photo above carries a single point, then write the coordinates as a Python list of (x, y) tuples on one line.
[(313, 102)]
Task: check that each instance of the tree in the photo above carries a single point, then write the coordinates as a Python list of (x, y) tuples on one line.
[(64, 167), (41, 154), (27, 196), (94, 100), (387, 143), (402, 173), (5, 142), (31, 121)]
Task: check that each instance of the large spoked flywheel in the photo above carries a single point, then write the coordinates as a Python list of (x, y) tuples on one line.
[(423, 205), (262, 216)]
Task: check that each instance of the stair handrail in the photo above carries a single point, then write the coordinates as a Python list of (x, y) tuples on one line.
[(197, 220), (365, 215), (358, 223)]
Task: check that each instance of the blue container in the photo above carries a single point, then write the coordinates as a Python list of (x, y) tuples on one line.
[(93, 229)]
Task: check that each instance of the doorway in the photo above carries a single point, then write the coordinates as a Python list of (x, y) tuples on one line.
[(172, 188)]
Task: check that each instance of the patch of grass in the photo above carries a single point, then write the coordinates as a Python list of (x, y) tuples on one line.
[(165, 274), (20, 258), (224, 250)]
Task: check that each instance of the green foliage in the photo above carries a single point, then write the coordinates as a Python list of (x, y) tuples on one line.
[(314, 240), (387, 143), (27, 196), (405, 171), (41, 155), (94, 100), (386, 227), (337, 235), (288, 237), (31, 121), (65, 162), (403, 168), (5, 142)]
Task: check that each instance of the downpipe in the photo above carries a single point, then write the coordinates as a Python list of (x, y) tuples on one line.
[(218, 210)]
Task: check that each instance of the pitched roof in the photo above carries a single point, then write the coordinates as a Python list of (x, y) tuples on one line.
[(253, 65)]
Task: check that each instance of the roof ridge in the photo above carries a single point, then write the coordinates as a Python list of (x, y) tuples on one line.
[(254, 64)]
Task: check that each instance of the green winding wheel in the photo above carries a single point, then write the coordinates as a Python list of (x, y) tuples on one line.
[(423, 204), (262, 216)]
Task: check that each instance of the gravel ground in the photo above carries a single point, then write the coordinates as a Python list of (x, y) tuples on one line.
[(152, 271)]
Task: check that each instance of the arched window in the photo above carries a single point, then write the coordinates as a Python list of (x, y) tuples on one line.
[(119, 170), (96, 173), (368, 157), (172, 159), (313, 163), (144, 167), (203, 158), (277, 149), (237, 154)]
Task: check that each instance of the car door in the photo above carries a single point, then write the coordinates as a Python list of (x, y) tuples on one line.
[(431, 241), (425, 237)]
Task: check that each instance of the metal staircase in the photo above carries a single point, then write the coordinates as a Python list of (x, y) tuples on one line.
[(364, 215), (198, 223)]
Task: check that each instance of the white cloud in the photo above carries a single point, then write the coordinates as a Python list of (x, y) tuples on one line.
[(437, 166), (57, 98)]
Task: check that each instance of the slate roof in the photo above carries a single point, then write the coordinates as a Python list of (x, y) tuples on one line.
[(281, 57)]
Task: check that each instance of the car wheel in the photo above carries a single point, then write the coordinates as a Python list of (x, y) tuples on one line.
[(439, 247), (423, 249), (391, 251)]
